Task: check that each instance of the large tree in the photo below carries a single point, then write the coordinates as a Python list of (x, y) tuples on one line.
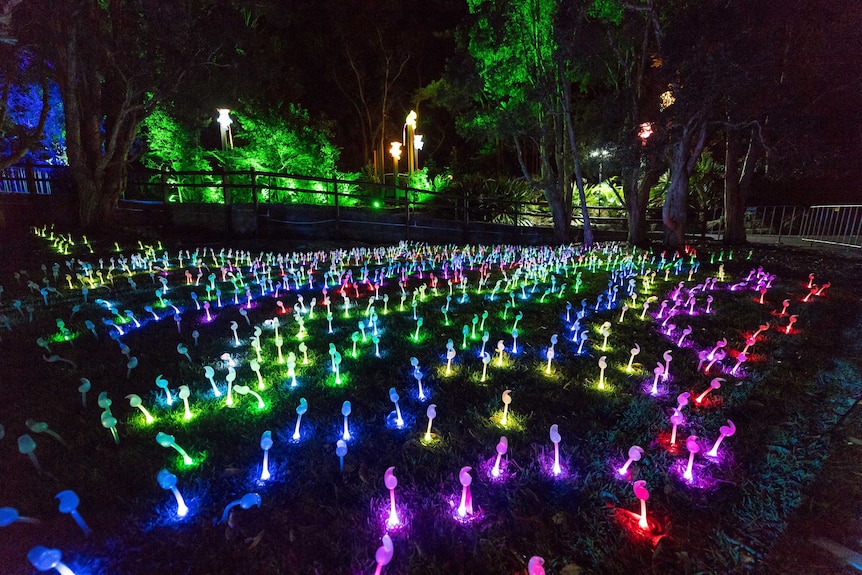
[(526, 79), (113, 61)]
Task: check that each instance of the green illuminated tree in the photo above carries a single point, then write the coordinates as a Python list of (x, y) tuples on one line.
[(527, 73)]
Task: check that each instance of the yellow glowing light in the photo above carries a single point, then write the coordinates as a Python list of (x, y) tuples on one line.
[(395, 150)]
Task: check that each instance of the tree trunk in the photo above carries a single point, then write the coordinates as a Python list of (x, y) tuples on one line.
[(683, 161), (561, 214), (636, 193), (737, 183)]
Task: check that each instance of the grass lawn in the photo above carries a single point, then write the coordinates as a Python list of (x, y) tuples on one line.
[(240, 332)]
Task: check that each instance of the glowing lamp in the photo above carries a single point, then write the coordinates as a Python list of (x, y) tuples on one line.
[(693, 449), (69, 504), (534, 566), (265, 445), (502, 448), (300, 411), (393, 397), (724, 431), (9, 515), (168, 481), (675, 419), (507, 399), (247, 501), (384, 554), (45, 559), (466, 506), (555, 439), (166, 441), (183, 394), (714, 384), (642, 494), (340, 451), (603, 364), (635, 454), (390, 481), (634, 351), (345, 412)]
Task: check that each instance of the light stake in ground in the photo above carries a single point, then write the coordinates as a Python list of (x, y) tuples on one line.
[(724, 431), (502, 448), (641, 493), (390, 481), (393, 397), (466, 506), (300, 411), (603, 364), (166, 440), (247, 501), (714, 384), (634, 351), (534, 566), (45, 559), (431, 413), (555, 439), (384, 554), (345, 412), (693, 448), (340, 451), (168, 481), (635, 454), (507, 399), (676, 419), (69, 504)]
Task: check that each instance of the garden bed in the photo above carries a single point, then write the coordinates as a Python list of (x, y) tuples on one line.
[(316, 516)]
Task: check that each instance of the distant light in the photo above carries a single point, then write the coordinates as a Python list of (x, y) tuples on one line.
[(224, 117), (376, 204), (411, 119), (395, 150), (645, 132), (417, 142)]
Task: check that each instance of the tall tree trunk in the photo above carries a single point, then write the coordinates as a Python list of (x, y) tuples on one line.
[(579, 179), (737, 182), (683, 161), (636, 191)]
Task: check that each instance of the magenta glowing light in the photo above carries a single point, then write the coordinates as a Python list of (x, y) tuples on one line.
[(555, 439), (535, 566), (635, 454), (384, 554), (465, 508), (714, 384), (724, 431), (642, 494), (658, 371), (502, 448), (676, 419), (390, 481), (685, 332), (693, 449)]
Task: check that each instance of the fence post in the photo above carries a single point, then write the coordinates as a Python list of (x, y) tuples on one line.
[(226, 193), (255, 202), (337, 208), (31, 178)]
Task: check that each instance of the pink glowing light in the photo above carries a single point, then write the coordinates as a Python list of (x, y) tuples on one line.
[(642, 494), (693, 448), (635, 454), (718, 345), (760, 330), (790, 323), (719, 355), (740, 359), (823, 287), (502, 448), (811, 291), (724, 431), (534, 566), (658, 371), (390, 481), (676, 419), (466, 507), (810, 281), (714, 384), (667, 359), (384, 554)]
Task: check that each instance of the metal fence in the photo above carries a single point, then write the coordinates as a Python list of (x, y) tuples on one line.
[(30, 179), (839, 225)]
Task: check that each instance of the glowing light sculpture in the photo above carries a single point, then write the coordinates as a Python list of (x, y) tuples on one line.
[(555, 439), (535, 566), (340, 451), (168, 481), (69, 504), (184, 394), (431, 413), (502, 448), (265, 445), (163, 384), (507, 399), (384, 554), (45, 559), (465, 508), (209, 373), (641, 493), (603, 364), (675, 419), (693, 449), (393, 397), (135, 402), (166, 441), (635, 454), (390, 481), (246, 390), (300, 411), (714, 384), (724, 431), (83, 389), (247, 501), (634, 351), (42, 427), (345, 412)]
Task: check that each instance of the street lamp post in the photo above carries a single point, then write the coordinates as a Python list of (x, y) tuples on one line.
[(224, 123), (418, 143), (408, 139), (601, 154), (395, 151)]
